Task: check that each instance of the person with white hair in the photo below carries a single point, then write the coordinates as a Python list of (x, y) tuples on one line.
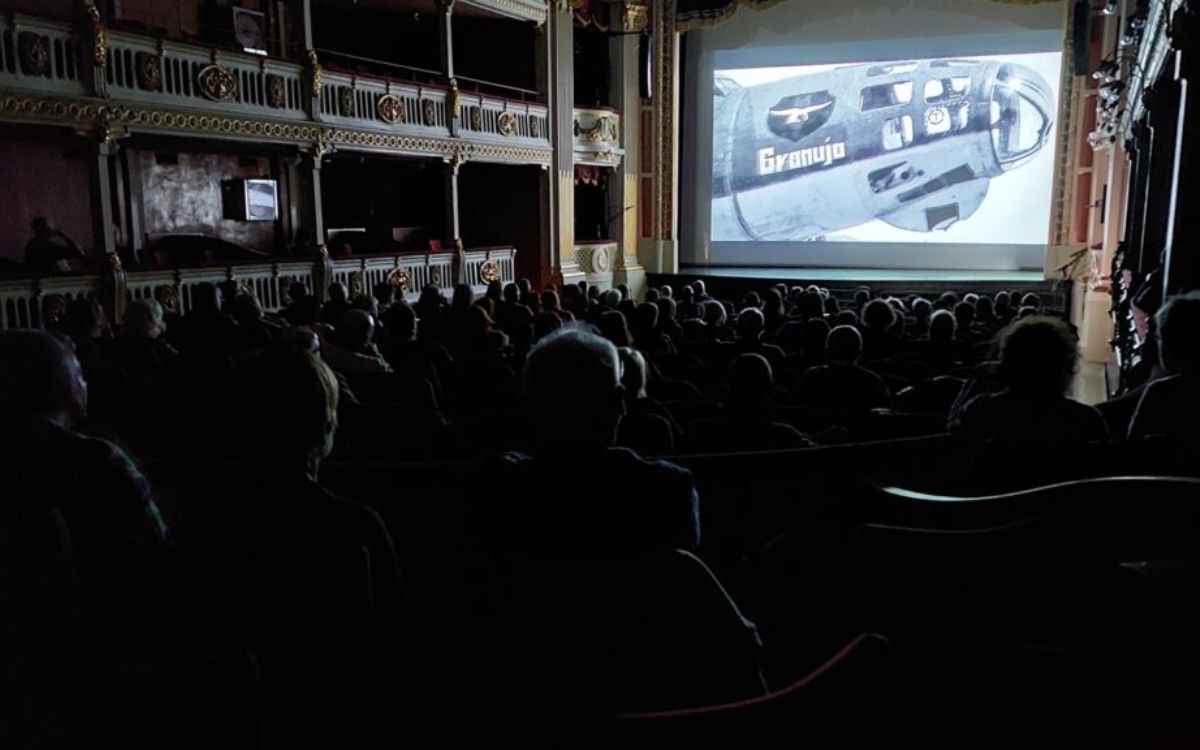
[(575, 402)]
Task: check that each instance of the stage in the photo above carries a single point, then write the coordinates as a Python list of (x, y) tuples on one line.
[(731, 282)]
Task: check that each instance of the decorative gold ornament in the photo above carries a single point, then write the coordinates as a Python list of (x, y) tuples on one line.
[(276, 91), (476, 118), (455, 100), (114, 262), (345, 101), (535, 126), (99, 37), (323, 251), (149, 71), (217, 83), (34, 52), (506, 123), (316, 75), (400, 278), (428, 113), (356, 284), (634, 18), (489, 272), (391, 110), (435, 275)]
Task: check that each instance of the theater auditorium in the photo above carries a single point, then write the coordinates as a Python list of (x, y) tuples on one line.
[(599, 374)]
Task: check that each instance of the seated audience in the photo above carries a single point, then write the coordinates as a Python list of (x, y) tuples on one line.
[(351, 349), (745, 422), (647, 427)]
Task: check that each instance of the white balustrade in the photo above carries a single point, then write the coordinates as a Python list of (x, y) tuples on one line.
[(378, 104), (145, 70), (481, 266), (360, 275), (523, 10), (43, 56), (597, 136), (493, 118)]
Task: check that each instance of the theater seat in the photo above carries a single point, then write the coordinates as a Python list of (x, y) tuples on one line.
[(836, 705)]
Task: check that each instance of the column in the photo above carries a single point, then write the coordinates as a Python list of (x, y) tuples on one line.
[(446, 31), (623, 188), (561, 32)]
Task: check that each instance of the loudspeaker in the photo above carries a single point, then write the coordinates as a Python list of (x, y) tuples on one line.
[(645, 66)]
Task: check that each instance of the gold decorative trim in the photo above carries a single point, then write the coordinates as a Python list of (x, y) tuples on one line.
[(428, 113), (391, 109), (634, 18), (489, 271), (455, 102), (218, 83), (99, 37), (506, 124), (149, 71), (276, 91), (33, 51), (665, 35), (119, 119), (399, 278), (316, 74), (345, 100)]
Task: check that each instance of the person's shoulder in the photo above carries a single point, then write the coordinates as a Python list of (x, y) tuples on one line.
[(624, 458)]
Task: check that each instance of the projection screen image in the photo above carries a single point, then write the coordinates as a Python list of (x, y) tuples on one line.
[(930, 151)]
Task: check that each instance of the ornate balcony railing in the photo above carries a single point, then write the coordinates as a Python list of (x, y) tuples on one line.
[(407, 272), (483, 266), (124, 82), (598, 137)]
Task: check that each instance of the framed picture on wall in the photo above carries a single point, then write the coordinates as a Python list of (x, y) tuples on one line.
[(250, 30)]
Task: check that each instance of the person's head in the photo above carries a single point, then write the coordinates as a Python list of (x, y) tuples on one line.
[(666, 311), (846, 318), (289, 400), (463, 297), (384, 293), (1002, 302), (550, 300), (479, 323), (750, 380), (367, 304), (338, 293), (546, 323), (1027, 311), (665, 291), (495, 290), (624, 290), (651, 295), (355, 329), (646, 318), (943, 326), (42, 227), (984, 311), (964, 313), (86, 318), (686, 294), (971, 298), (610, 298), (41, 379), (245, 310), (560, 367), (814, 334), (431, 298), (206, 298), (1038, 356), (861, 297), (844, 346), (1031, 300), (301, 338), (878, 316), (949, 299), (773, 302), (593, 293), (614, 328), (524, 286), (714, 313), (400, 320), (921, 308), (699, 289), (831, 305), (297, 291), (751, 299), (810, 305), (1178, 324), (511, 293), (633, 373), (143, 319), (750, 324)]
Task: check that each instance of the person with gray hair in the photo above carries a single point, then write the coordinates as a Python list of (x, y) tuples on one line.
[(843, 384), (575, 402)]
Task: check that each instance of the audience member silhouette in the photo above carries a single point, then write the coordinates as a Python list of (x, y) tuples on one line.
[(842, 384), (1168, 407), (50, 251)]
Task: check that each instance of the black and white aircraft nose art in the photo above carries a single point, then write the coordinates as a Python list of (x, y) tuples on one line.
[(914, 144)]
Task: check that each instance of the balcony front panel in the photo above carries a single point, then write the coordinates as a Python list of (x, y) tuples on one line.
[(598, 137), (525, 10)]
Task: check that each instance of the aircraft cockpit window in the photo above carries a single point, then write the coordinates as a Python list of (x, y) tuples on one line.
[(1020, 117), (945, 89), (897, 132), (885, 95)]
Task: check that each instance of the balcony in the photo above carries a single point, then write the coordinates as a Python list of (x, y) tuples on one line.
[(598, 137), (127, 82)]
